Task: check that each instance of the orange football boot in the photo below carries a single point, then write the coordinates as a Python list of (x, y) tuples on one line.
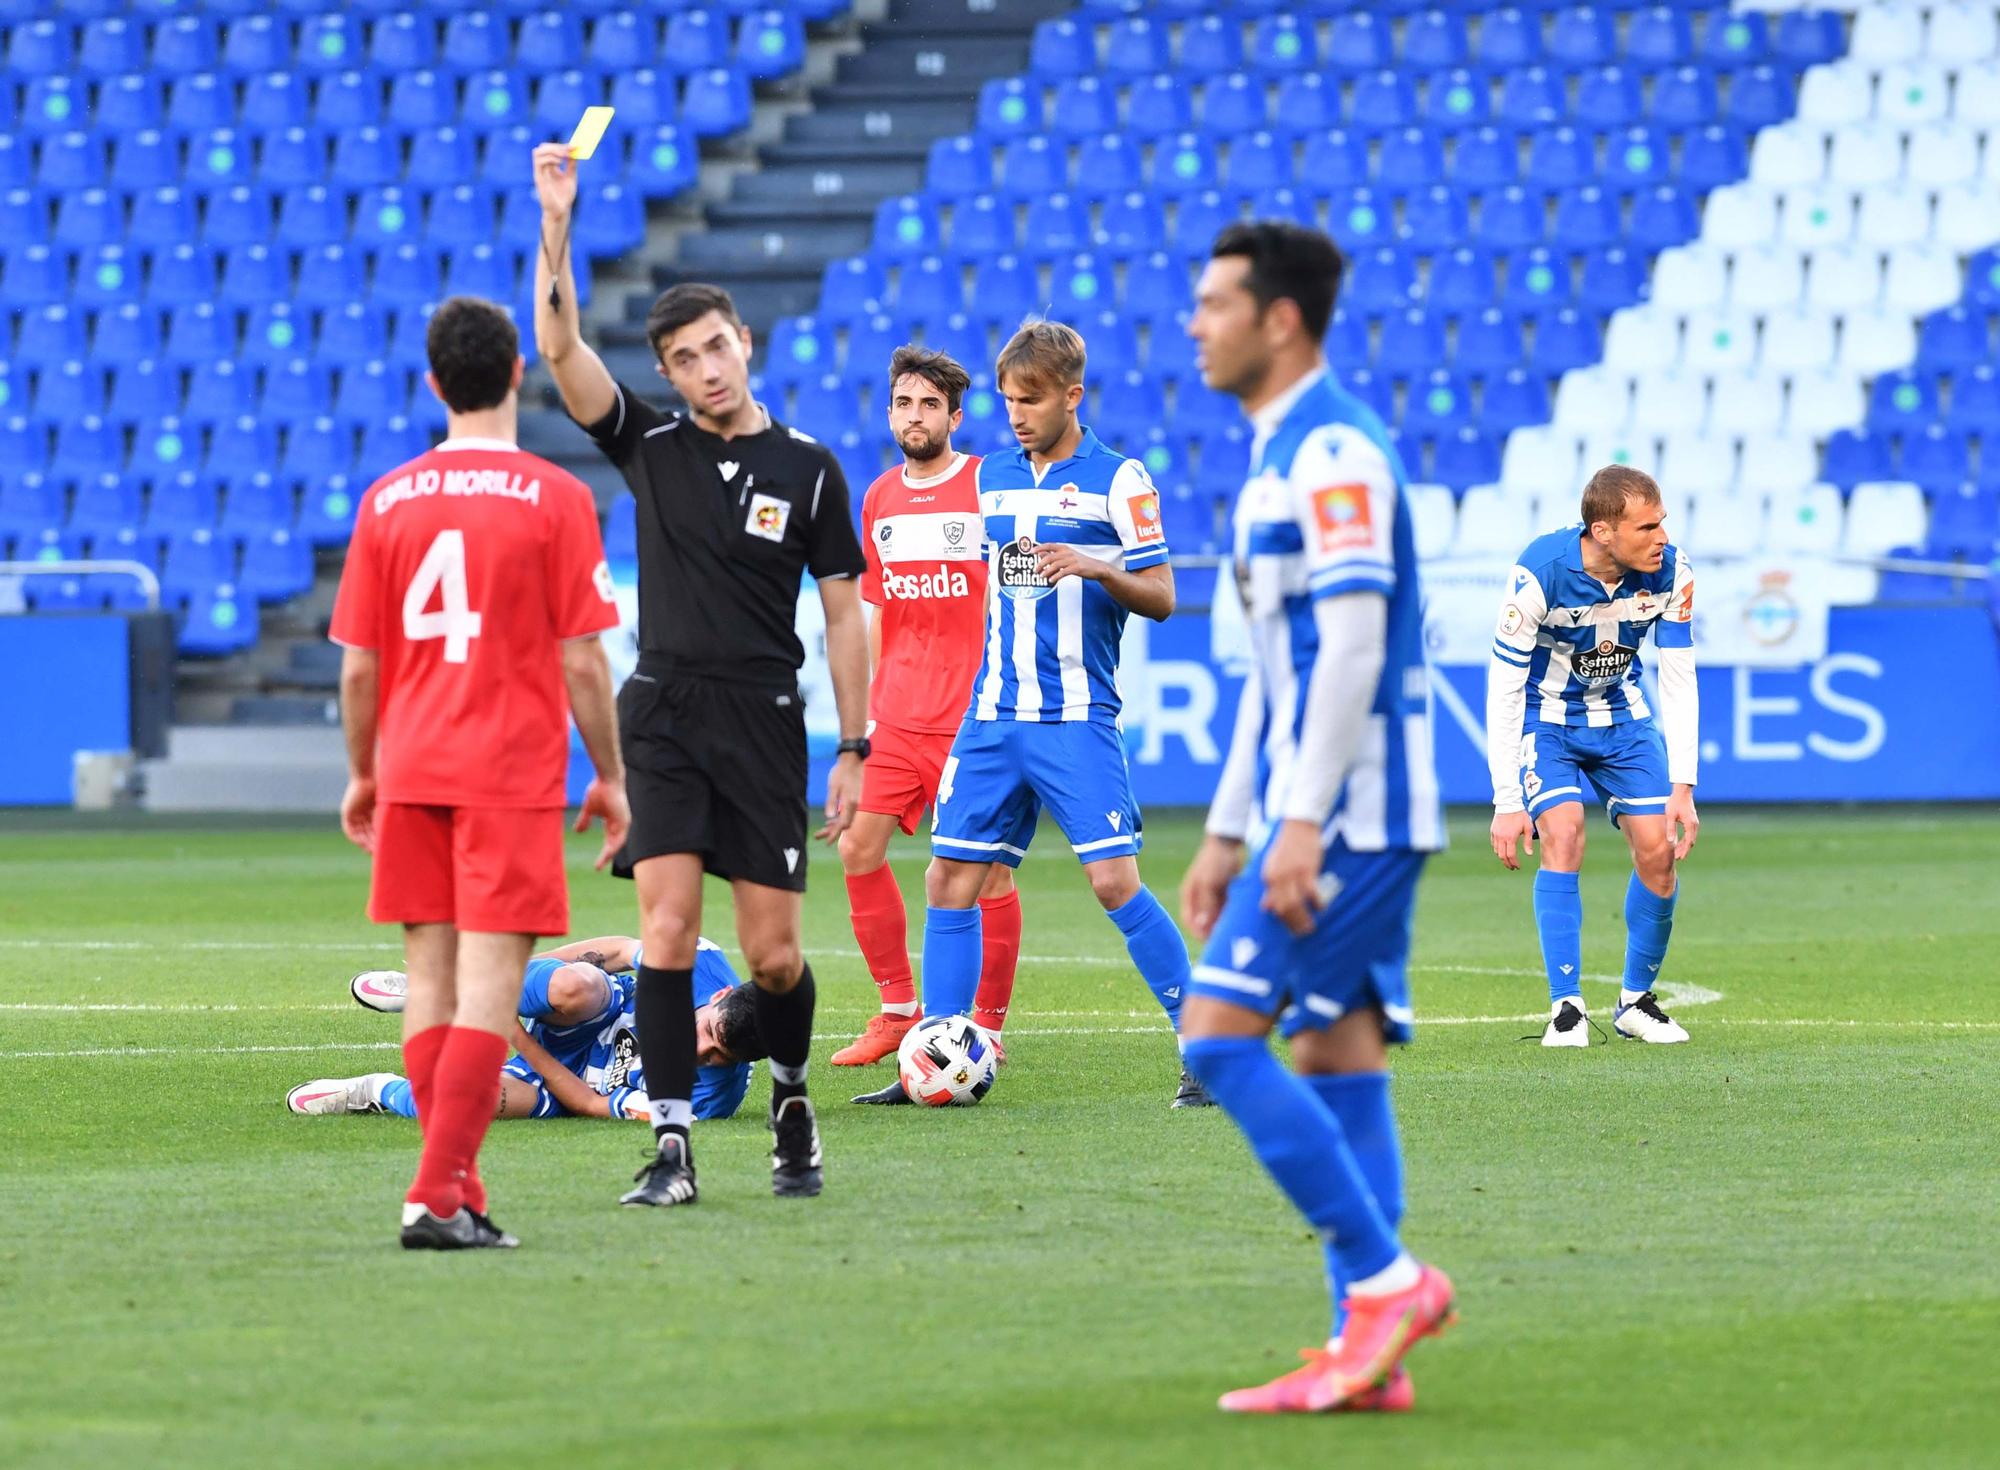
[(1364, 1372), (878, 1039)]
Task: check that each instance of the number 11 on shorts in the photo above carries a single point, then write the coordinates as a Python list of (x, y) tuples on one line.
[(442, 570)]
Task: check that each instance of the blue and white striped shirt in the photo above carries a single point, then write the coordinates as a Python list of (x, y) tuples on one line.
[(1052, 651), (1322, 515)]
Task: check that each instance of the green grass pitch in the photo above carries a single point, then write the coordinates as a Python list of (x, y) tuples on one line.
[(1770, 1247)]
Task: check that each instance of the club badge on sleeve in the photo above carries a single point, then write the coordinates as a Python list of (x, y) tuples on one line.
[(768, 517)]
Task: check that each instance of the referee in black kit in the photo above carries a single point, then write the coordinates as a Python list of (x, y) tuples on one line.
[(733, 506)]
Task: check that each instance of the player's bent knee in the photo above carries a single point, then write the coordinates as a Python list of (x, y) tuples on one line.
[(1354, 1043), (949, 884), (1561, 831), (1114, 881), (863, 850), (1203, 1017), (775, 967), (669, 937)]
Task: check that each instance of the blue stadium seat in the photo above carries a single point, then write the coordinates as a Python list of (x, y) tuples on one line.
[(255, 45), (164, 448), (1636, 158), (16, 160), (147, 159), (1566, 338), (330, 43), (218, 391), (277, 332), (1383, 100), (475, 40), (959, 166), (1113, 339), (491, 272), (277, 565), (1608, 97), (1347, 340), (320, 446), (1212, 47), (1735, 38), (612, 221), (770, 44), (929, 288), (1383, 279), (392, 441), (1663, 216), (403, 42), (50, 335), (1512, 400), (1531, 97), (106, 277), (905, 227), (1761, 96), (1586, 218), (1561, 158), (48, 543), (30, 499), (273, 101), (89, 218), (621, 528), (851, 285), (1954, 338), (1711, 157), (825, 404), (104, 504), (296, 389), (1509, 38), (1485, 158), (1413, 342), (355, 332), (51, 106), (961, 336), (183, 275), (985, 415), (1359, 218), (1853, 456), (366, 157), (1108, 165), (696, 40), (664, 161), (715, 102), (198, 102), (1199, 218), (1136, 47), (1223, 454), (1184, 164), (69, 390), (1462, 280), (218, 159), (1154, 108), (242, 445), (239, 215), (1938, 457), (622, 40), (372, 390), (1439, 402), (162, 214), (1359, 41), (326, 512), (40, 48), (1582, 35), (407, 276), (348, 100), (1010, 107), (1975, 408), (1809, 37), (35, 276), (1457, 99), (185, 504), (1413, 157), (561, 98), (1284, 43), (1032, 166), (1004, 289), (1056, 224), (72, 160), (1233, 105), (1465, 457), (1685, 98), (1611, 280), (1659, 37), (1965, 523), (254, 275), (423, 99), (870, 340), (492, 97), (217, 621), (1434, 41), (1164, 452), (143, 388), (797, 348), (1334, 159), (1134, 221), (311, 216), (441, 157), (1903, 402)]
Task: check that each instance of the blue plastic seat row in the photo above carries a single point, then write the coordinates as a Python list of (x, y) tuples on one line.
[(1938, 456), (218, 389), (241, 446)]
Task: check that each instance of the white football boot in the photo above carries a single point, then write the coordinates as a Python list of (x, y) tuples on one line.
[(340, 1094), (1643, 1020), (381, 990), (1568, 1025)]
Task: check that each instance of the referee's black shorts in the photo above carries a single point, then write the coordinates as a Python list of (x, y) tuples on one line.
[(718, 769)]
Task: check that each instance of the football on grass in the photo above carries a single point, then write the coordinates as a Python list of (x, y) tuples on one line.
[(946, 1062)]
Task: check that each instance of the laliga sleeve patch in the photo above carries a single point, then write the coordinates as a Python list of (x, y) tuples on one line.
[(768, 517), (1341, 517), (1145, 516), (1511, 619), (600, 575)]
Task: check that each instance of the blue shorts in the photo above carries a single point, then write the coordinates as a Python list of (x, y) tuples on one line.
[(1001, 773), (1626, 764), (1357, 956)]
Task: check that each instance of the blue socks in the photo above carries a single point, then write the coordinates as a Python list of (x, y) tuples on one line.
[(1649, 924), (1156, 947), (1298, 1140), (952, 956), (398, 1099), (1360, 1102), (1559, 919)]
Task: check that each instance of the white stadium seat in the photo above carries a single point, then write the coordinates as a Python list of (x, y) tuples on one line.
[(1635, 449), (1669, 402), (1591, 399), (1537, 458), (1775, 462), (1922, 279), (1883, 515), (1824, 400), (1844, 277), (1719, 340), (1721, 526), (1968, 216), (1877, 339), (1698, 465), (1555, 506), (1962, 33), (1797, 338), (1817, 214), (1895, 214), (1864, 155), (1689, 277), (1912, 92), (1742, 214), (1883, 34), (1788, 153), (1838, 93), (1809, 519), (1433, 518), (1975, 96), (1940, 153), (1492, 522), (1765, 278), (1642, 339), (1989, 154), (1746, 403)]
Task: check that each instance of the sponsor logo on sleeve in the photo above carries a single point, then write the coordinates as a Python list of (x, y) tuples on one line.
[(600, 577), (1681, 609), (1342, 518), (1145, 516), (768, 517)]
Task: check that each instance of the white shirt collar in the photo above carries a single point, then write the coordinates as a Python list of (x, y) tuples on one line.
[(1266, 419), (477, 443), (914, 482)]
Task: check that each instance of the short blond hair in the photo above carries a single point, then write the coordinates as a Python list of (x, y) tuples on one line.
[(1043, 353), (1605, 496)]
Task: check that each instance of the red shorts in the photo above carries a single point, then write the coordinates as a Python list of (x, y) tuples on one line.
[(491, 870), (900, 777)]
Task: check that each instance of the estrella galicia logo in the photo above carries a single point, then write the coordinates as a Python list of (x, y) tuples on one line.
[(1606, 662), (624, 1056), (1020, 576)]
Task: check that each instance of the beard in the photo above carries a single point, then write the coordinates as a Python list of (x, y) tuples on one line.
[(917, 444)]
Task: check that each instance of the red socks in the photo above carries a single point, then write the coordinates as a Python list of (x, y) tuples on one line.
[(464, 1085), (1000, 927), (875, 904), (420, 1055)]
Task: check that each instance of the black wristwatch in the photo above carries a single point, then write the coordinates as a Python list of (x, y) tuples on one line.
[(859, 747)]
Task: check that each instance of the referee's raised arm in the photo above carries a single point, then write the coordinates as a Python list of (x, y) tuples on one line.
[(587, 389)]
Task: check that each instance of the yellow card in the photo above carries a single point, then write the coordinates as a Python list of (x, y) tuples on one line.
[(590, 132)]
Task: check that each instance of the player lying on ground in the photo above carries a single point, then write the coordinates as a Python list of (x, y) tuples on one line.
[(1330, 772), (1563, 702), (1076, 546), (578, 1055), (926, 580)]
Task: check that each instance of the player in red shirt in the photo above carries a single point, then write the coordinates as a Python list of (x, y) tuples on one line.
[(469, 609), (927, 579)]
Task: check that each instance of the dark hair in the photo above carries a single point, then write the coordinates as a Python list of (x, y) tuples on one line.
[(734, 1024), (1044, 354), (472, 346), (1289, 262), (934, 367), (1605, 496), (689, 301)]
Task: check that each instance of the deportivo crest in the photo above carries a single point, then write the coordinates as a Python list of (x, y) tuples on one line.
[(1020, 575), (768, 517)]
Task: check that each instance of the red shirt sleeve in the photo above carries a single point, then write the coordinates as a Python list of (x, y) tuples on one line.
[(582, 599), (871, 579), (357, 605)]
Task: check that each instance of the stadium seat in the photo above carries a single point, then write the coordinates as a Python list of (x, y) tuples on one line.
[(1797, 337), (1824, 400), (1769, 277), (1937, 458), (326, 511), (1775, 463), (355, 332), (1883, 515), (217, 621), (1975, 406), (277, 565), (1965, 523), (1854, 455), (317, 448), (1581, 36), (105, 503), (1876, 339), (715, 102), (1921, 278), (182, 503), (1718, 340), (1608, 97), (1493, 523), (1751, 402)]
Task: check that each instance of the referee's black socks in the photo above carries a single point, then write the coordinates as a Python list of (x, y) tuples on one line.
[(786, 1024), (665, 1018)]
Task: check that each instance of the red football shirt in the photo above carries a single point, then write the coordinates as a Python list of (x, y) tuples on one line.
[(922, 540), (469, 568)]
